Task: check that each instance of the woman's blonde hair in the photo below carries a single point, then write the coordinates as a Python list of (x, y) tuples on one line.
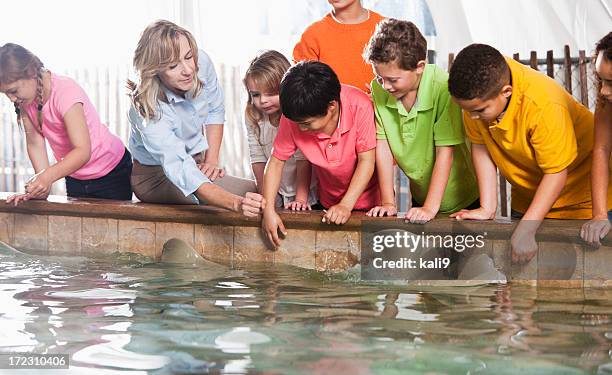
[(16, 63), (158, 49), (266, 70)]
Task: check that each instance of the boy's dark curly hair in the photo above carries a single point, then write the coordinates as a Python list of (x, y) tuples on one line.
[(605, 45), (396, 41), (479, 71)]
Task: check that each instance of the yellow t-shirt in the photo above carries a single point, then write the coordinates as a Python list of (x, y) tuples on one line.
[(544, 130)]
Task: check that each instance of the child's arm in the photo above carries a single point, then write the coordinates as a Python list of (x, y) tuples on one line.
[(271, 220), (486, 174), (78, 133), (384, 171), (341, 212), (256, 154), (437, 185), (37, 149), (258, 172), (524, 246), (598, 227), (303, 172), (37, 152)]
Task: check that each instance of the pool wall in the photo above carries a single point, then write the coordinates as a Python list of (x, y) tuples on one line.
[(94, 228)]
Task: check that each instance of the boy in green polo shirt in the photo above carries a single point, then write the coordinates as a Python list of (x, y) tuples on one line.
[(418, 125)]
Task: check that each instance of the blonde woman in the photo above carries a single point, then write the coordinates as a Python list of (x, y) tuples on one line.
[(176, 118)]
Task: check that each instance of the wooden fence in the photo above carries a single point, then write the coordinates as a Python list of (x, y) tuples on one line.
[(106, 90)]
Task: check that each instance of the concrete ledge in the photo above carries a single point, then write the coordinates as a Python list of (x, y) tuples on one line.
[(94, 227)]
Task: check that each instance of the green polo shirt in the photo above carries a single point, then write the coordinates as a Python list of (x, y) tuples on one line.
[(434, 120)]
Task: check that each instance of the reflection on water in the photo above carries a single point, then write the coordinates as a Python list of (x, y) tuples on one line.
[(123, 314)]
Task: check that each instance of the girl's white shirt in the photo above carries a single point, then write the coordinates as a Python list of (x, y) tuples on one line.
[(260, 150)]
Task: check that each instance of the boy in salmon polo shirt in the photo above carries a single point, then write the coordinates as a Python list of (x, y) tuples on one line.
[(333, 126), (338, 40), (539, 137)]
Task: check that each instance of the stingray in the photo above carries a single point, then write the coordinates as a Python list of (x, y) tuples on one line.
[(179, 253)]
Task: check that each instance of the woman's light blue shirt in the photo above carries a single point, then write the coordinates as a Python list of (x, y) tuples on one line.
[(178, 132)]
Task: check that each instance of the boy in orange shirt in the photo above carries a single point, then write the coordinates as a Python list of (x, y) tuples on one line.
[(338, 40), (534, 131)]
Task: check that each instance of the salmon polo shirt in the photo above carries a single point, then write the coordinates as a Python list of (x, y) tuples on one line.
[(334, 158), (544, 130)]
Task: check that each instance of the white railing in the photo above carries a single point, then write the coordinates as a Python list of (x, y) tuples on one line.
[(107, 92)]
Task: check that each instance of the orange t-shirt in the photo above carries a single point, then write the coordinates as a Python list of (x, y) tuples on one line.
[(341, 47)]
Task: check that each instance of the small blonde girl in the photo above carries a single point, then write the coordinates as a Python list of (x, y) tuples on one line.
[(262, 116)]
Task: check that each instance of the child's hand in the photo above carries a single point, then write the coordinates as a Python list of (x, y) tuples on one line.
[(17, 198), (212, 171), (524, 245), (338, 214), (39, 186), (385, 209), (477, 214), (298, 205), (593, 231), (252, 204), (420, 215), (270, 225)]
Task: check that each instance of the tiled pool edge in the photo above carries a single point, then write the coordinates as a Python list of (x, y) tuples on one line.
[(90, 228)]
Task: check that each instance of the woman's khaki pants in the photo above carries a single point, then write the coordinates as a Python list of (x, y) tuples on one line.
[(150, 184)]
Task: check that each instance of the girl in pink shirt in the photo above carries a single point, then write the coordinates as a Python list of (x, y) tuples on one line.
[(49, 107)]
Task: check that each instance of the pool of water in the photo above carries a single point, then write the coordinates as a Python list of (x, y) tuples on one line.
[(126, 314)]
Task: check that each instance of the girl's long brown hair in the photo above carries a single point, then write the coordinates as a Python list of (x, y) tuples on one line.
[(16, 63)]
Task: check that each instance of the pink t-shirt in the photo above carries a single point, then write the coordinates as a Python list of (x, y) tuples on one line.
[(334, 157), (106, 148)]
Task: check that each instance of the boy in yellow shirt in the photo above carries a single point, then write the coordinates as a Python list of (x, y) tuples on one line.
[(536, 133)]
